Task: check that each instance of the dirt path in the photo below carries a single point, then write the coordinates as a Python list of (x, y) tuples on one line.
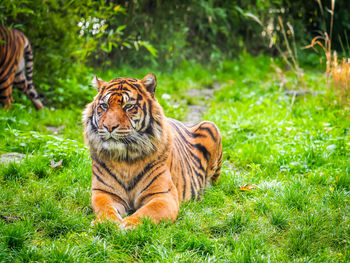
[(202, 98)]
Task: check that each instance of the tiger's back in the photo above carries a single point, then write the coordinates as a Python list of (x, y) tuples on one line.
[(16, 66), (196, 157)]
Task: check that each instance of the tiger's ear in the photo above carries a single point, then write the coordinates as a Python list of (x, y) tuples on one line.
[(97, 83), (150, 83)]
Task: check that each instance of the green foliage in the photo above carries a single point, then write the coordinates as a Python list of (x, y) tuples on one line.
[(295, 157), (63, 34), (161, 35)]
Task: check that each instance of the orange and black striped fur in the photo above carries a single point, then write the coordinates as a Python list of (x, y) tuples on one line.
[(143, 162), (16, 66)]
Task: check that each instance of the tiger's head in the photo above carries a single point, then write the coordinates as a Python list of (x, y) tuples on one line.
[(125, 121)]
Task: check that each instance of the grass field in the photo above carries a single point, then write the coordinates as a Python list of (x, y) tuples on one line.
[(283, 195)]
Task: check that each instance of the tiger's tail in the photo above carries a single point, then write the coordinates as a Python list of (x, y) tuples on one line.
[(31, 92)]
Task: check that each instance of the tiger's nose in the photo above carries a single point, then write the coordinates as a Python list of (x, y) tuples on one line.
[(110, 127)]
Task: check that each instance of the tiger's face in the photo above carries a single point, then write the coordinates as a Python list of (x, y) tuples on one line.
[(124, 120)]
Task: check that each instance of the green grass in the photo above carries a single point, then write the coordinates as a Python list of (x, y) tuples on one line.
[(296, 157)]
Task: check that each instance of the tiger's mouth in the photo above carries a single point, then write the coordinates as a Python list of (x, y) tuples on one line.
[(123, 137), (127, 145)]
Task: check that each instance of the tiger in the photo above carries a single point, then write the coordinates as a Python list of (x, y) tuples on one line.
[(16, 66), (144, 165)]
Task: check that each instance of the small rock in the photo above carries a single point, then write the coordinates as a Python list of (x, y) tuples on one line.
[(217, 85), (166, 96), (55, 130), (206, 93), (11, 157)]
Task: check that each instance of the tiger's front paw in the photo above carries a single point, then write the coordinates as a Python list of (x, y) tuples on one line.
[(103, 218), (130, 222)]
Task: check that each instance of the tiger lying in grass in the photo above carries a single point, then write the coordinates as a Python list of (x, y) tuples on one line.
[(141, 160)]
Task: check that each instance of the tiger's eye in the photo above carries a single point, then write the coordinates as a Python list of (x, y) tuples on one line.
[(104, 106), (128, 107)]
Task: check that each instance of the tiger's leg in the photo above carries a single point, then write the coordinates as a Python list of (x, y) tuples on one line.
[(28, 89), (6, 90), (108, 206), (158, 202)]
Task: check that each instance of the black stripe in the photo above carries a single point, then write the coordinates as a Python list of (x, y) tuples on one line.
[(193, 193), (5, 36), (154, 178), (19, 82), (5, 88), (200, 176), (115, 94), (203, 150), (197, 159), (194, 179), (216, 175), (136, 180), (144, 109), (118, 89), (177, 123), (184, 157), (149, 129), (102, 93), (7, 76), (107, 88), (151, 194), (9, 52), (100, 179), (103, 165), (124, 203), (199, 147), (19, 73), (209, 131), (4, 97), (182, 172), (144, 171), (135, 86), (93, 125)]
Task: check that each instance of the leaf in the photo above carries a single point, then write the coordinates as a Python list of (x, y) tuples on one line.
[(136, 46), (246, 187), (149, 47), (57, 165), (104, 47), (254, 17), (121, 28), (102, 28), (116, 8), (126, 44), (10, 218)]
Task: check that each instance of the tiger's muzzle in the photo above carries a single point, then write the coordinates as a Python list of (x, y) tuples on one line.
[(114, 133)]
